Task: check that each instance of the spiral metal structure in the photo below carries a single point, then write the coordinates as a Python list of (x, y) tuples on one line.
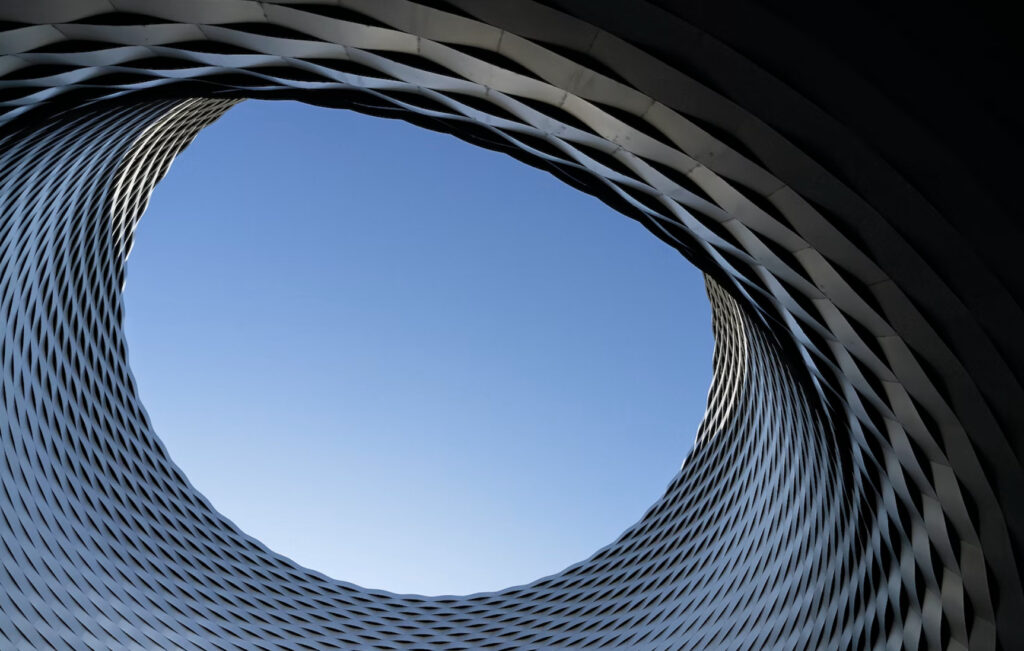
[(855, 480)]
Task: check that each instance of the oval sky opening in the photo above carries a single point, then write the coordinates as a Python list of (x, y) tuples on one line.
[(408, 362)]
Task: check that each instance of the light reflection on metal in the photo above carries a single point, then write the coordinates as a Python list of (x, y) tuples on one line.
[(834, 498)]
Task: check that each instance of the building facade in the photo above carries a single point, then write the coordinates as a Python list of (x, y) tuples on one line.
[(844, 183)]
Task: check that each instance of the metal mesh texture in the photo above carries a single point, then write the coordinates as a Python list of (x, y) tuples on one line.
[(834, 499)]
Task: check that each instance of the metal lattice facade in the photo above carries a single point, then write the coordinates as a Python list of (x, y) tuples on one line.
[(854, 481)]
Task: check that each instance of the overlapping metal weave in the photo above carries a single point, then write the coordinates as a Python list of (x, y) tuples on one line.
[(853, 481)]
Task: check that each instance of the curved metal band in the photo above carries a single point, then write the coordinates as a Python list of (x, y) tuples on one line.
[(853, 481)]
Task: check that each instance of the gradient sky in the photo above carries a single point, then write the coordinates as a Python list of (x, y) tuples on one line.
[(405, 361)]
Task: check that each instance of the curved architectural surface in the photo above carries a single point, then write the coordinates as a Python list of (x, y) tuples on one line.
[(857, 478)]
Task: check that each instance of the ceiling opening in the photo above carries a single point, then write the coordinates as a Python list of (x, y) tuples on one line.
[(404, 361)]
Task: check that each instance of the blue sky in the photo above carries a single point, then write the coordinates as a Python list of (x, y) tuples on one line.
[(404, 361)]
